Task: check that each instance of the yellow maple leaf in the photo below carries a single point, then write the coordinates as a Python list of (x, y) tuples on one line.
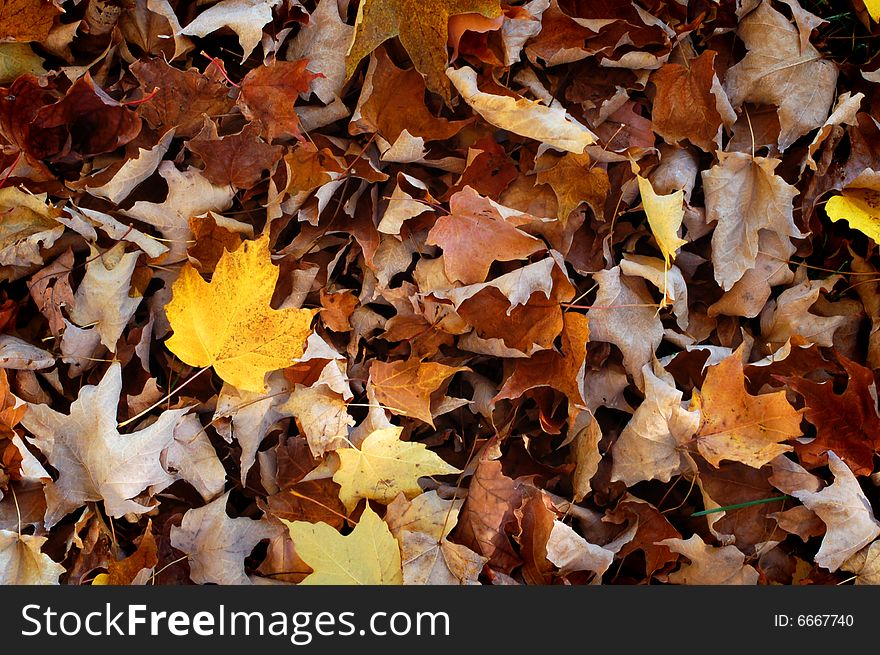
[(873, 7), (421, 25), (860, 207), (368, 556), (229, 323), (665, 214), (385, 466), (738, 426)]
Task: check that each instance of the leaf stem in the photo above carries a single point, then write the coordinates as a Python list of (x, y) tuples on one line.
[(163, 398)]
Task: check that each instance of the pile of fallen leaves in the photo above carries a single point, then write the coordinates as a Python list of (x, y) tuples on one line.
[(452, 292)]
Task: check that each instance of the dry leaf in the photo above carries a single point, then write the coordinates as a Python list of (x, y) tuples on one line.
[(405, 387), (26, 20), (571, 552), (665, 214), (216, 545), (94, 461), (865, 564), (318, 41), (624, 314), (423, 35), (745, 196), (23, 563), (245, 17), (421, 526), (859, 204), (491, 502), (574, 179), (689, 102), (103, 298), (846, 512), (651, 446), (710, 565), (268, 94), (369, 555), (780, 69), (550, 125), (383, 467), (189, 194), (322, 416), (255, 339), (464, 234), (738, 426)]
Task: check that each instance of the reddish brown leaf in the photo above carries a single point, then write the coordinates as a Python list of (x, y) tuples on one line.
[(536, 523), (397, 104), (268, 94), (123, 572), (489, 173), (537, 323), (316, 501), (182, 99), (238, 159), (210, 241), (19, 104), (733, 483), (337, 309), (846, 423), (473, 235), (85, 122), (685, 107), (492, 501), (804, 359), (562, 371), (308, 168), (652, 527), (10, 415), (574, 179)]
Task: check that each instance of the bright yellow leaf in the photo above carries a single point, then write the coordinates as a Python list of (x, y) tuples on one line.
[(368, 556), (385, 466), (859, 207), (665, 214), (229, 324), (873, 7)]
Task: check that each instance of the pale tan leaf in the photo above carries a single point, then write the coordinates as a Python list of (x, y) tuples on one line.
[(23, 563), (245, 17), (744, 195), (95, 462), (322, 414), (550, 125), (103, 297), (651, 446), (846, 512), (624, 314), (216, 545), (782, 68)]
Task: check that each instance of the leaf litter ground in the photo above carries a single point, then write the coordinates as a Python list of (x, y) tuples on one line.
[(396, 292)]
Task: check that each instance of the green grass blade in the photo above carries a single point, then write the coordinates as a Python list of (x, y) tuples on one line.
[(739, 505)]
